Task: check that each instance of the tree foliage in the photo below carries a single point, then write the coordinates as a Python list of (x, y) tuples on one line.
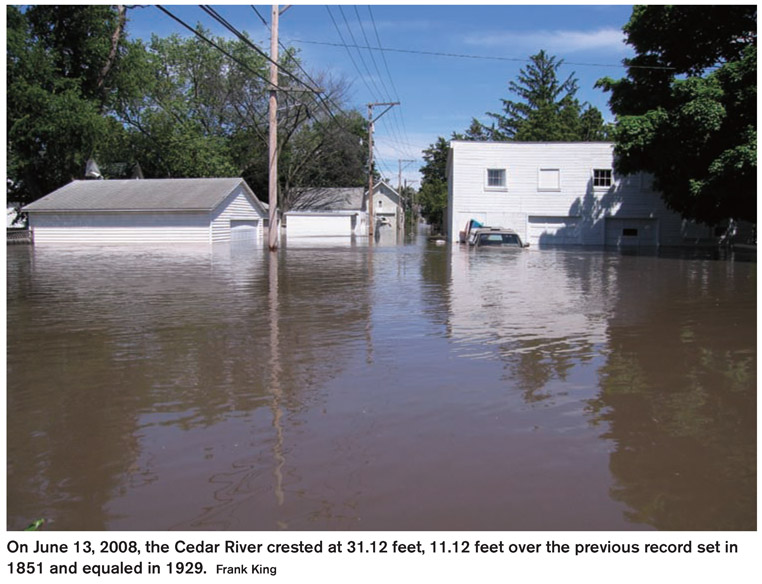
[(432, 196), (546, 110), (80, 88), (62, 62), (687, 108)]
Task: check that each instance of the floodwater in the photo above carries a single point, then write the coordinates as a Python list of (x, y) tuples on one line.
[(334, 386)]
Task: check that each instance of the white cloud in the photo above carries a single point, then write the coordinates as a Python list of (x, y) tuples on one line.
[(553, 41)]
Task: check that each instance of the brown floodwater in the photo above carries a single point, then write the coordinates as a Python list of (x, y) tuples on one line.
[(411, 386)]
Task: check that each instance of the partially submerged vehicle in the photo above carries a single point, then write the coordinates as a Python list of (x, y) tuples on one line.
[(478, 235), (495, 236)]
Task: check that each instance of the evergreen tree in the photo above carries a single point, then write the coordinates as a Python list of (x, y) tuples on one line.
[(547, 109)]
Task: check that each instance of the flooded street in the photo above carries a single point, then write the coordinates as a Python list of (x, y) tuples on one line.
[(405, 387)]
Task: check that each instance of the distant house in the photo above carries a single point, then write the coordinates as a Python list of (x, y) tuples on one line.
[(387, 205), (336, 212), (559, 194), (192, 210)]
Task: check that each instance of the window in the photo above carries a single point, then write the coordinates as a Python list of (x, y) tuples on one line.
[(602, 178), (496, 178), (549, 179), (629, 232)]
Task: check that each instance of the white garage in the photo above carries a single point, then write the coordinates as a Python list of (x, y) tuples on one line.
[(622, 232), (245, 229), (325, 223), (147, 211), (553, 231)]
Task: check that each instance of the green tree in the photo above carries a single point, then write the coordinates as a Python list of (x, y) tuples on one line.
[(687, 108), (79, 88), (547, 109), (62, 65), (196, 112), (432, 196)]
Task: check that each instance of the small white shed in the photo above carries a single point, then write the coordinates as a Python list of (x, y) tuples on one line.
[(326, 223), (328, 212), (188, 210)]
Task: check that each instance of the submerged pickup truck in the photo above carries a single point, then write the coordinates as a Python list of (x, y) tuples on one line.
[(494, 237)]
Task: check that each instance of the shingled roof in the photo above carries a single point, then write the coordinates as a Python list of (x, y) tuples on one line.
[(177, 194), (329, 199)]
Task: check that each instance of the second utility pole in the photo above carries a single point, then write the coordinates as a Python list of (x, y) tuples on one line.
[(273, 226), (372, 121)]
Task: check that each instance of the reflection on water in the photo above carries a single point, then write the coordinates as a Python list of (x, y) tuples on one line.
[(336, 385)]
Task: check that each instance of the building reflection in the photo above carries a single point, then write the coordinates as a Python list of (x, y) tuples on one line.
[(163, 360), (680, 400), (669, 346)]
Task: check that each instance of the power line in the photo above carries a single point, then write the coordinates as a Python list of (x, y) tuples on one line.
[(215, 45), (316, 92), (478, 57), (219, 18), (378, 92), (395, 113), (262, 18), (393, 126)]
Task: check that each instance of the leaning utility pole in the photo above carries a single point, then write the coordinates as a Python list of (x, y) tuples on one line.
[(371, 122), (273, 227)]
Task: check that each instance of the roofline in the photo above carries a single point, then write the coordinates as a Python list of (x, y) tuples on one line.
[(531, 143), (327, 212), (241, 181), (88, 211)]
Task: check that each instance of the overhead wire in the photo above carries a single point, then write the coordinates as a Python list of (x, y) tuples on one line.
[(221, 20), (314, 90), (396, 112), (375, 91), (215, 45), (483, 57), (392, 126)]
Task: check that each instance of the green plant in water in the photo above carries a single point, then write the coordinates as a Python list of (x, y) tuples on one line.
[(35, 525)]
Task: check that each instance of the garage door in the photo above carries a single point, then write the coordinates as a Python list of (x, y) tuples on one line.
[(244, 229), (631, 232), (553, 231)]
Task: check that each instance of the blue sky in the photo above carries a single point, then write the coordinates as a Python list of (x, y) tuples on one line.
[(438, 94)]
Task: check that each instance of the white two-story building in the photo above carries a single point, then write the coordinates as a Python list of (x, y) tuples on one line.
[(555, 193)]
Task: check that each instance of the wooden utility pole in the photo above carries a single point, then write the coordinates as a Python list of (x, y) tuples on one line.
[(399, 173), (399, 191), (371, 122), (274, 227)]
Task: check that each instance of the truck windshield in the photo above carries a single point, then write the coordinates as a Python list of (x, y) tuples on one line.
[(499, 239)]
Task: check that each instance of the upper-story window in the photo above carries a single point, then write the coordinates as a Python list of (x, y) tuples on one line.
[(602, 177), (497, 178), (549, 179)]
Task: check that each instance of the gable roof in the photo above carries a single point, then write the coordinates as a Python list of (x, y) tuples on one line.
[(162, 194), (330, 199)]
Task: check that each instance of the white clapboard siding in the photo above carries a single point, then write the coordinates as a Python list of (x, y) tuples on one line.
[(317, 224), (113, 228), (146, 212), (549, 196), (237, 207)]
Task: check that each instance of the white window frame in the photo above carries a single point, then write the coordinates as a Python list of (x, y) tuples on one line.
[(503, 187), (541, 188), (603, 187)]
